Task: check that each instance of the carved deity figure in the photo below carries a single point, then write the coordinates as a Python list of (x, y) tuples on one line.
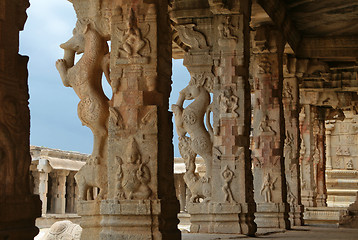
[(265, 127), (191, 120), (228, 102), (133, 41), (350, 165), (227, 175), (133, 175), (226, 38), (85, 77), (267, 187)]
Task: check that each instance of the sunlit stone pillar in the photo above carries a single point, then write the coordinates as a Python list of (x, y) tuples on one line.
[(307, 116), (18, 206), (269, 131), (141, 198), (60, 200), (43, 168), (132, 159), (329, 128), (217, 38), (290, 99)]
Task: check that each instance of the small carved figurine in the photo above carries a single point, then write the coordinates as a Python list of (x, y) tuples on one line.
[(267, 187)]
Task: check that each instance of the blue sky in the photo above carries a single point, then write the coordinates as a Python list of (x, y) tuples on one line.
[(54, 121)]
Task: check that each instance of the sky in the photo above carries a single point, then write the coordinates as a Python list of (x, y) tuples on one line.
[(53, 107)]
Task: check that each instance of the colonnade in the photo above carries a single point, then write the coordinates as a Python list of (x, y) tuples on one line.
[(131, 166)]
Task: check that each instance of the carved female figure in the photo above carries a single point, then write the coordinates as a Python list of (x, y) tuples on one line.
[(267, 187)]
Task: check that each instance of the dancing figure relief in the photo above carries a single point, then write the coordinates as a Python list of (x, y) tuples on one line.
[(85, 77), (191, 120)]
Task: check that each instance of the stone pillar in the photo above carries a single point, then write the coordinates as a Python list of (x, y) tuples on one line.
[(141, 199), (329, 128), (269, 131), (43, 168), (218, 61), (18, 206), (307, 116), (132, 160), (60, 205), (180, 189), (292, 141), (70, 193), (319, 158)]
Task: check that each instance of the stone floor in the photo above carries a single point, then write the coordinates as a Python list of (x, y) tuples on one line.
[(326, 232)]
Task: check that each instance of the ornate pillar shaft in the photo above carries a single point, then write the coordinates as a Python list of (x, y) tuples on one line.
[(320, 160), (292, 141), (43, 187), (217, 59), (329, 128), (132, 160), (60, 201), (269, 131), (18, 206), (307, 116)]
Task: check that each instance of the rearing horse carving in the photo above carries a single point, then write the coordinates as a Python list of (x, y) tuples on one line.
[(191, 120)]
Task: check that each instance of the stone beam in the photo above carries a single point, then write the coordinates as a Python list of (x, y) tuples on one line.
[(279, 15), (328, 47)]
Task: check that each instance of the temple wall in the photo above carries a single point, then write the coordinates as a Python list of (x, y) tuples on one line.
[(343, 152)]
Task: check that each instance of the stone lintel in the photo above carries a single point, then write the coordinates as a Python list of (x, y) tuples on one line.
[(329, 47)]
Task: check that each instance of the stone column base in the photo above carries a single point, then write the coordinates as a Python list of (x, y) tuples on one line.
[(272, 215), (308, 198), (296, 215), (222, 218), (18, 215), (90, 219), (321, 200), (139, 220)]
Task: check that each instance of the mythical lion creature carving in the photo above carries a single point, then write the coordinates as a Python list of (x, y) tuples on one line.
[(85, 79), (200, 188), (191, 120)]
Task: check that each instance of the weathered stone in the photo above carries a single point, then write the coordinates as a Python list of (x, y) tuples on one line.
[(218, 40), (18, 207), (269, 131)]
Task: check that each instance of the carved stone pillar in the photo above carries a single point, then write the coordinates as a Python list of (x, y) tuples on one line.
[(43, 178), (217, 40), (180, 189), (70, 193), (319, 159), (18, 206), (132, 159), (329, 128), (307, 116), (59, 199), (43, 168), (292, 141), (269, 131)]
